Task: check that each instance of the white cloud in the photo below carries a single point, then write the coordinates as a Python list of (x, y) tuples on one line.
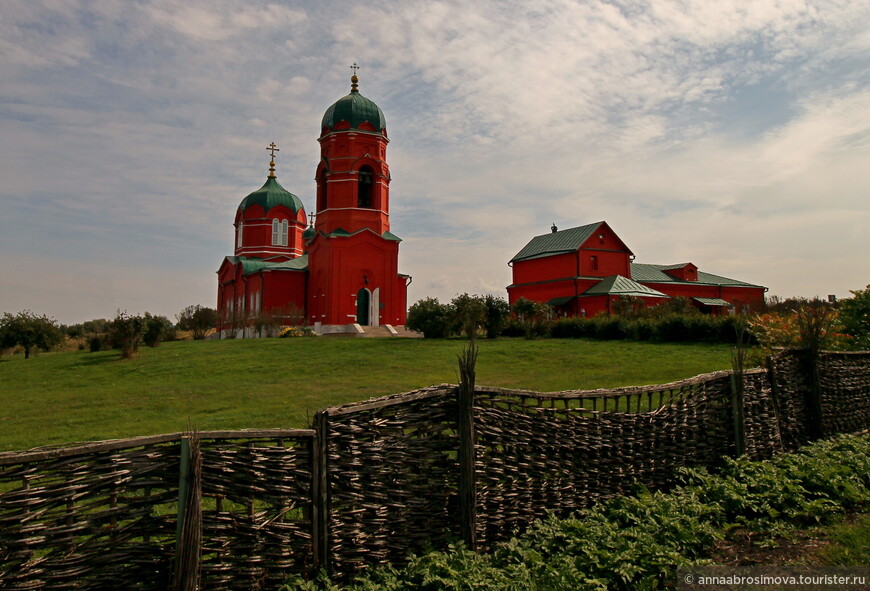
[(713, 131)]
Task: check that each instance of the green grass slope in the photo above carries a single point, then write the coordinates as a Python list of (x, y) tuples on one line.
[(67, 397)]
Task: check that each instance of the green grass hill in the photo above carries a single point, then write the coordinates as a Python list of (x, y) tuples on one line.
[(58, 398)]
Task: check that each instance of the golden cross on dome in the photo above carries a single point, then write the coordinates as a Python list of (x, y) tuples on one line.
[(354, 79), (272, 148)]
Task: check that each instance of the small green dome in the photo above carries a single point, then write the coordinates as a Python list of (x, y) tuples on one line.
[(309, 233), (355, 109), (270, 195)]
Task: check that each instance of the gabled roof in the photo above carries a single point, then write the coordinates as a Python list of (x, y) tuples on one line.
[(656, 274), (622, 286), (560, 242)]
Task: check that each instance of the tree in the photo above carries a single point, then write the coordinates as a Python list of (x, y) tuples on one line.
[(855, 315), (125, 332), (30, 331), (468, 313), (497, 313), (532, 315), (430, 317), (198, 320), (156, 329)]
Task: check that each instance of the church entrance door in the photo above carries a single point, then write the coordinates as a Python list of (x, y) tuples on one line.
[(363, 303)]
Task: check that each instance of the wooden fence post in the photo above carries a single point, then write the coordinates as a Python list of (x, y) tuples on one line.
[(320, 493), (813, 398), (774, 399), (466, 455), (183, 484), (188, 528)]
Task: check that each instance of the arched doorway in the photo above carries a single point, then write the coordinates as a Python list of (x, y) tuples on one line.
[(363, 305)]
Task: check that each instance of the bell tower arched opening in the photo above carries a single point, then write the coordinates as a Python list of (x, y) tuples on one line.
[(365, 186)]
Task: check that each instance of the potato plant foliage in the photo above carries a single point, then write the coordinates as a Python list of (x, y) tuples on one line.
[(639, 542)]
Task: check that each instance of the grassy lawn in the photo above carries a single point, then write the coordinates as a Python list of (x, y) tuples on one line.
[(66, 397)]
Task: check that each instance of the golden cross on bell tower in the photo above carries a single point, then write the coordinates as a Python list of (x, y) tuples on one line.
[(354, 79), (272, 148)]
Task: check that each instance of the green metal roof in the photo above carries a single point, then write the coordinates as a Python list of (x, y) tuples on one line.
[(712, 301), (253, 265), (270, 195), (560, 242), (655, 274), (342, 233), (355, 109), (623, 286), (560, 301)]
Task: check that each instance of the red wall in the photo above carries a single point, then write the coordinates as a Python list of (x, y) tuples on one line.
[(340, 266), (555, 267)]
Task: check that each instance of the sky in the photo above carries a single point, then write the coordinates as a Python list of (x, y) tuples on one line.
[(731, 134)]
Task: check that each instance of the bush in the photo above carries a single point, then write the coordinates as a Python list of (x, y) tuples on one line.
[(125, 332), (156, 329), (813, 326), (535, 317), (198, 320), (855, 315), (608, 327), (290, 332), (430, 317), (513, 328), (95, 343)]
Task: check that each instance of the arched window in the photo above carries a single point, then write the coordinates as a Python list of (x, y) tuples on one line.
[(279, 232), (239, 235), (321, 189), (365, 185)]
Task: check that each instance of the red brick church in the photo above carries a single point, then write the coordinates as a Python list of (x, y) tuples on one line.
[(338, 274), (582, 271)]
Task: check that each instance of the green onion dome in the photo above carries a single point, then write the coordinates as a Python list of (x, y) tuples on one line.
[(270, 195), (355, 109)]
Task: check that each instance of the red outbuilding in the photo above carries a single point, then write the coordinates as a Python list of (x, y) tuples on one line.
[(338, 275), (583, 271)]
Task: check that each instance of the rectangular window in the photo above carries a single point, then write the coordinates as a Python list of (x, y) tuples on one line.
[(594, 261)]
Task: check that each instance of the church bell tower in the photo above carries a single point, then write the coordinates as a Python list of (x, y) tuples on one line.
[(353, 256)]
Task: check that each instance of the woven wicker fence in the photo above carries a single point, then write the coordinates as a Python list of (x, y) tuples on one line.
[(106, 515), (376, 480)]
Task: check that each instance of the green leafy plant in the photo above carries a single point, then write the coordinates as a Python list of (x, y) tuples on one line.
[(639, 541), (855, 315)]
